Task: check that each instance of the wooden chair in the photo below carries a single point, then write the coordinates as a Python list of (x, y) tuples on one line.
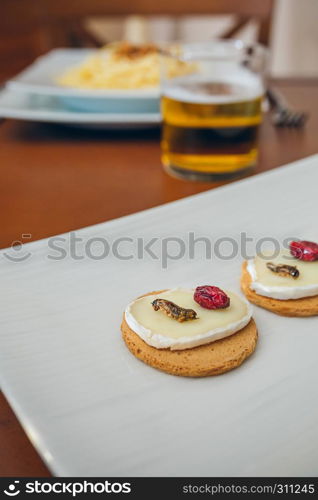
[(29, 28)]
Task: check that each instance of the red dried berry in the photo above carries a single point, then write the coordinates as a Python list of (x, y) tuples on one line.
[(211, 297), (304, 250)]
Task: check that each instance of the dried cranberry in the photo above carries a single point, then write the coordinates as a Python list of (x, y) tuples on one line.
[(211, 297), (304, 250)]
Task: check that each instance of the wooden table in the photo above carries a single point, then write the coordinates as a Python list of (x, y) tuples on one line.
[(55, 179)]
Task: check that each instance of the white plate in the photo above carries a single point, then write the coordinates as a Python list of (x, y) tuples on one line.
[(91, 408), (40, 78), (22, 106)]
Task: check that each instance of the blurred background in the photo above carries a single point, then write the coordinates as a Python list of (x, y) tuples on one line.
[(29, 28)]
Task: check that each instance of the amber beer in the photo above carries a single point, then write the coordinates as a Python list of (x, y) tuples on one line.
[(210, 128)]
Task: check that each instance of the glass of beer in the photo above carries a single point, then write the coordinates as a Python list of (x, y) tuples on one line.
[(211, 104)]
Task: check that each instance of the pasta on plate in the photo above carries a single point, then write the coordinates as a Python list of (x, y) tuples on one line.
[(122, 66)]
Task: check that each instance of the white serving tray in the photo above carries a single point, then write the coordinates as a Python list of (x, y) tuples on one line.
[(92, 409), (40, 78), (48, 109)]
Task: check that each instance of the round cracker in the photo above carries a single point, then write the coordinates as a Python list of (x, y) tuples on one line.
[(308, 306), (202, 361)]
